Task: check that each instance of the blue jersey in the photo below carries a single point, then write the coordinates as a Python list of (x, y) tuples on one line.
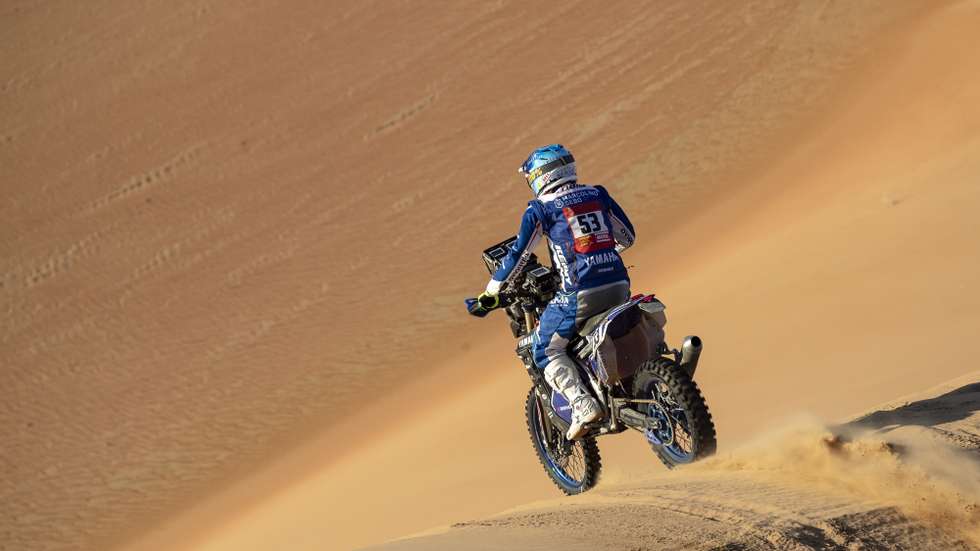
[(586, 231)]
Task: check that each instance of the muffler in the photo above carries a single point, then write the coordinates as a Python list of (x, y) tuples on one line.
[(690, 353)]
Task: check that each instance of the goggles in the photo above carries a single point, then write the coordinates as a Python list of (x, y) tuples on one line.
[(530, 174)]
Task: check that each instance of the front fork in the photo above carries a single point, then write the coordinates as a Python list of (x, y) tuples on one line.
[(530, 317)]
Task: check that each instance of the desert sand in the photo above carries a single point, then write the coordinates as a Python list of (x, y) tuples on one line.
[(234, 240), (905, 476)]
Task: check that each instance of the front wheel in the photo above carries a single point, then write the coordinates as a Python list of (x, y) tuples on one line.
[(686, 432), (573, 465)]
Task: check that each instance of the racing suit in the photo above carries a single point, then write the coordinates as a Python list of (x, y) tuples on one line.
[(586, 231)]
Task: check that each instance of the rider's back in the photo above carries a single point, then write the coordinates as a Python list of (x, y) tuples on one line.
[(584, 225)]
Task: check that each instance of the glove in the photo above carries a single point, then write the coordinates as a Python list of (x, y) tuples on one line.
[(482, 305), (488, 301)]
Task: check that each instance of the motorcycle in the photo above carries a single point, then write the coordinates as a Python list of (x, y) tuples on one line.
[(640, 383)]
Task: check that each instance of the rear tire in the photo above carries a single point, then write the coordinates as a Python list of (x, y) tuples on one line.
[(572, 465), (688, 434)]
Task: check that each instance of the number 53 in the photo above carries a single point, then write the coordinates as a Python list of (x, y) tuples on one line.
[(589, 222)]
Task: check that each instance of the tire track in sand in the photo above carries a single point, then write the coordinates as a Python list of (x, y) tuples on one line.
[(143, 181)]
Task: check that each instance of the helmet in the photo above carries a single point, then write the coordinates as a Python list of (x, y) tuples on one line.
[(548, 167)]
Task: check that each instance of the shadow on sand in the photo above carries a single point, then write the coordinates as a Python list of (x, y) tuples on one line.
[(953, 406)]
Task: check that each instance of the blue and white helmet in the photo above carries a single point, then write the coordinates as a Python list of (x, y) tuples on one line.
[(548, 167)]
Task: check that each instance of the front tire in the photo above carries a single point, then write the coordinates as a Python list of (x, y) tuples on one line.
[(573, 465), (687, 432)]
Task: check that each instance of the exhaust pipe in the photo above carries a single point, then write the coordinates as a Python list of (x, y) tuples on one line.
[(690, 353)]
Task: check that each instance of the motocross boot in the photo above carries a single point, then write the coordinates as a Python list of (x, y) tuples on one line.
[(561, 374)]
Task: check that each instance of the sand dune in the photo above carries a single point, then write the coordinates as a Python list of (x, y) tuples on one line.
[(234, 237), (836, 281), (875, 483)]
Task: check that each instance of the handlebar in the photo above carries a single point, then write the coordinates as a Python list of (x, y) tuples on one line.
[(521, 292)]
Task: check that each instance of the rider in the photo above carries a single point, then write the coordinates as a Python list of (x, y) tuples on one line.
[(586, 231)]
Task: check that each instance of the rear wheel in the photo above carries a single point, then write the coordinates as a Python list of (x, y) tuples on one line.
[(686, 432), (573, 465)]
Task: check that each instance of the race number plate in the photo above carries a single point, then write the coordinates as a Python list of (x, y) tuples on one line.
[(589, 227)]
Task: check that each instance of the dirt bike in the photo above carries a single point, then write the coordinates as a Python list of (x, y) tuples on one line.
[(640, 383)]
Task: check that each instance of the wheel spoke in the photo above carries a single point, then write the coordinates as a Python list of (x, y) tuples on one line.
[(676, 433), (576, 463), (684, 430), (571, 461), (572, 465)]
